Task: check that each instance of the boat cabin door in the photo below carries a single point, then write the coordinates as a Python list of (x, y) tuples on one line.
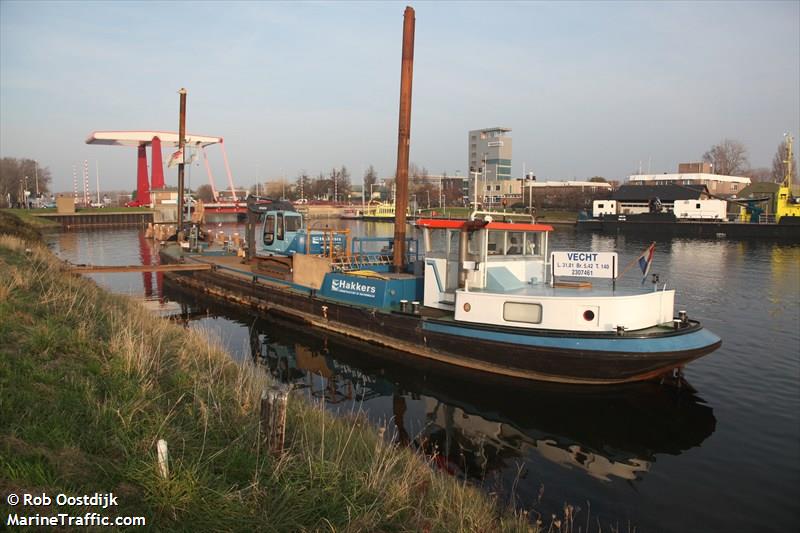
[(449, 253), (441, 267)]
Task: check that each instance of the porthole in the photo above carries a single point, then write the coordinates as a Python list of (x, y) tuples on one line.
[(467, 307), (588, 315)]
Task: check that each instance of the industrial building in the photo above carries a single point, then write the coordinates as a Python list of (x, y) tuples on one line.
[(695, 174)]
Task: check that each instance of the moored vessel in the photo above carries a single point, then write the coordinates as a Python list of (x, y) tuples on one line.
[(482, 294)]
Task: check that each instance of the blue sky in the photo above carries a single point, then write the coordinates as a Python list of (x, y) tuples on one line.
[(588, 88)]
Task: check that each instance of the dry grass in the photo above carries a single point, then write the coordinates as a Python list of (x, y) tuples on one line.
[(93, 376)]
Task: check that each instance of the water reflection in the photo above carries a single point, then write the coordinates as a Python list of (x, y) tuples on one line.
[(474, 425), (613, 447)]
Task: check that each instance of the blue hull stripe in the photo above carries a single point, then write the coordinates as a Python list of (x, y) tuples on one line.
[(674, 343)]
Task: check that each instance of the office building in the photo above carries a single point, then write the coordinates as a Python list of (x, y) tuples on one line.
[(490, 147)]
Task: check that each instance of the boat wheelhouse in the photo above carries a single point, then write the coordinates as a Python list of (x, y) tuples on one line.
[(500, 273)]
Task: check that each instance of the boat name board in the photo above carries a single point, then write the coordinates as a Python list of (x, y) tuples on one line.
[(355, 288), (585, 264)]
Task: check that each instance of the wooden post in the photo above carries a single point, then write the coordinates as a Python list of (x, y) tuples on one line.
[(279, 421), (379, 444), (263, 425), (163, 458), (272, 421)]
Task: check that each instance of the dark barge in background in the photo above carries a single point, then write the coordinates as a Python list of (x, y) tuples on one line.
[(666, 225)]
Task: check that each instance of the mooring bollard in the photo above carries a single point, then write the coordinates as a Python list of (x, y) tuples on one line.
[(163, 458)]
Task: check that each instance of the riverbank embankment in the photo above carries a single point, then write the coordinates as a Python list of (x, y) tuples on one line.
[(91, 381), (19, 223)]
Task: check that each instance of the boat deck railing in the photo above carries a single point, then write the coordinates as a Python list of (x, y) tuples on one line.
[(360, 262)]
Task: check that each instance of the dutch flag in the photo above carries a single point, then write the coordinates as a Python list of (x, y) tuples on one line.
[(646, 259)]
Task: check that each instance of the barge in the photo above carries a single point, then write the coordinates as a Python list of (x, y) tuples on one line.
[(481, 294), (478, 295)]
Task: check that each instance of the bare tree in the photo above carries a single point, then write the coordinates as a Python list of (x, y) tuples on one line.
[(729, 157), (760, 174), (344, 184), (453, 189), (20, 175), (414, 173), (779, 165), (205, 193), (370, 179), (320, 188)]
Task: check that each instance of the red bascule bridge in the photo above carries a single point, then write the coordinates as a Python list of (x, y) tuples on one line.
[(156, 139)]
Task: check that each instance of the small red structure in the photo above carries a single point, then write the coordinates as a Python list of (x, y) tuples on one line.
[(158, 168)]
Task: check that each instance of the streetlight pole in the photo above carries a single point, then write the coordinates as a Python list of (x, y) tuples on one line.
[(484, 180), (530, 197), (475, 180)]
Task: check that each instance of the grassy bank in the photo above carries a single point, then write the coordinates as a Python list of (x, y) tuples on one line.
[(89, 381), (20, 223)]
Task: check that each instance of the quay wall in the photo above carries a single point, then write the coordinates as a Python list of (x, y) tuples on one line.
[(98, 219)]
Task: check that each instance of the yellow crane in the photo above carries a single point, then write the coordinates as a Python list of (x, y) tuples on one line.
[(787, 205)]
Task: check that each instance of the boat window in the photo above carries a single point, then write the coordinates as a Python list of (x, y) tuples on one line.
[(452, 246), (495, 244), (269, 229), (515, 242), (279, 227), (522, 312), (293, 223), (533, 244), (475, 246)]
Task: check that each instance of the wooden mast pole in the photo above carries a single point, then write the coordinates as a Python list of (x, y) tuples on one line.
[(403, 141), (181, 143)]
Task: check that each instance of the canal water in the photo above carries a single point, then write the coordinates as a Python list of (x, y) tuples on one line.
[(724, 457)]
